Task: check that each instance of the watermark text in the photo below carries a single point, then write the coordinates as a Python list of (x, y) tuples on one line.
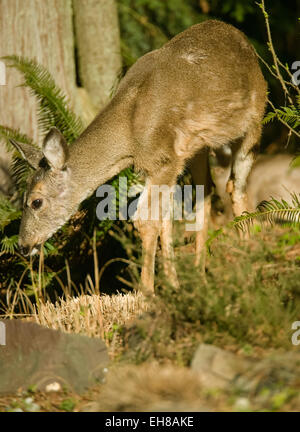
[(156, 203)]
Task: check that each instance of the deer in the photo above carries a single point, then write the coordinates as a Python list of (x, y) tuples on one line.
[(201, 92)]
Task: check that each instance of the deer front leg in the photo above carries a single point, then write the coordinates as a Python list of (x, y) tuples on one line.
[(153, 218), (149, 231)]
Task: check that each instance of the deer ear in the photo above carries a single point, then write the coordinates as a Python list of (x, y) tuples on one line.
[(55, 149), (28, 152)]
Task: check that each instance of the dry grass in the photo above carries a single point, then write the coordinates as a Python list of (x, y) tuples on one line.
[(92, 315)]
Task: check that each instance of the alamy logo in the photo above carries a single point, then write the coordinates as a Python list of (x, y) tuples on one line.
[(296, 74), (2, 74), (156, 202), (296, 334), (2, 334)]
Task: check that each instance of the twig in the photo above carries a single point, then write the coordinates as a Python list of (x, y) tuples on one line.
[(274, 74), (272, 50), (111, 261), (290, 75)]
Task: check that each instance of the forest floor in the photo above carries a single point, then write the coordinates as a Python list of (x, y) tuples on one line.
[(245, 304)]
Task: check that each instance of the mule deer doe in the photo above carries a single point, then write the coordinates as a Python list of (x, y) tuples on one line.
[(201, 91)]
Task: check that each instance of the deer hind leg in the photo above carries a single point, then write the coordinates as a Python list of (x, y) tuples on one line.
[(220, 168), (199, 168), (242, 165)]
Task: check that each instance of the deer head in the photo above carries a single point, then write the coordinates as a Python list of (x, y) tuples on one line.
[(47, 200)]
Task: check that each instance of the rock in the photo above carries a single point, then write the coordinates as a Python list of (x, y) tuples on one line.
[(53, 387), (217, 368), (46, 358), (275, 372)]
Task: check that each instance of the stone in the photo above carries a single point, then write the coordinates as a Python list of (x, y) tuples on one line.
[(217, 368), (35, 356)]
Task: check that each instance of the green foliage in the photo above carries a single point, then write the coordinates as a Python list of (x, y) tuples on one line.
[(272, 211), (268, 212), (7, 133), (290, 114), (249, 296), (148, 24), (8, 213), (67, 405), (9, 244), (20, 168), (238, 10), (53, 105)]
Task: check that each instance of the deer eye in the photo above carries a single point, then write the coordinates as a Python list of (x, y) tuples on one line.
[(36, 204)]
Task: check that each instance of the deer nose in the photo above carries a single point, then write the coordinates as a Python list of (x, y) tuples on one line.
[(24, 250)]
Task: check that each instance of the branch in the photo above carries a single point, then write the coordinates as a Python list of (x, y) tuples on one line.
[(275, 75), (277, 63)]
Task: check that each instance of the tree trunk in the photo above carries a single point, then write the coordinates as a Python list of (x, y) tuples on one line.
[(98, 47), (40, 30), (44, 31)]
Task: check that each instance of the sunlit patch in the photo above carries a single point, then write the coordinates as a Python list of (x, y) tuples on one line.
[(34, 251)]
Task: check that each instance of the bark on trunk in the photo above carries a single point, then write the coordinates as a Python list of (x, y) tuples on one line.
[(45, 31), (98, 47), (41, 30)]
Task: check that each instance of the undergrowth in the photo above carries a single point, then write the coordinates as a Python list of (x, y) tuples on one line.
[(246, 301)]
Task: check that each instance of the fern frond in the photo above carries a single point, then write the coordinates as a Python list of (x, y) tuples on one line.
[(270, 116), (20, 168), (8, 212), (290, 114), (53, 104), (7, 133), (20, 172), (9, 244), (298, 101), (271, 212)]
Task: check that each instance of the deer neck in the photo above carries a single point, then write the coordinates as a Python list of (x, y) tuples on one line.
[(101, 152)]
